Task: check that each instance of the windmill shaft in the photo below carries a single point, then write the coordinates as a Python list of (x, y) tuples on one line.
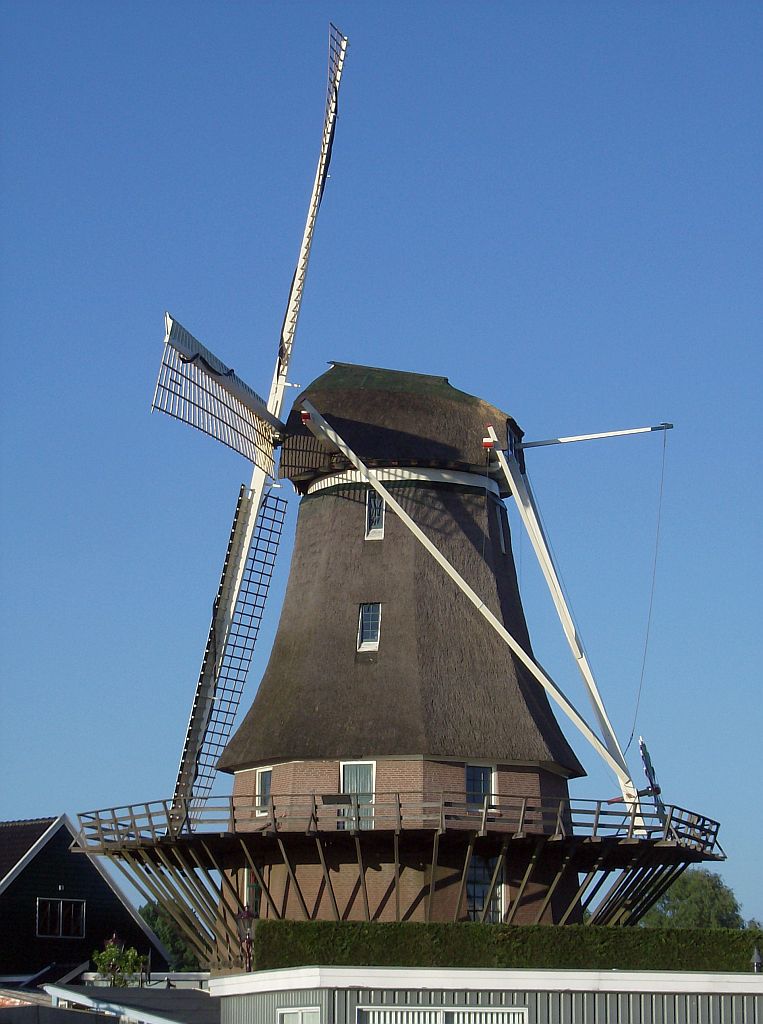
[(324, 431)]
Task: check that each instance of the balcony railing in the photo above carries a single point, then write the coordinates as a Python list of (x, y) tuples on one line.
[(148, 823)]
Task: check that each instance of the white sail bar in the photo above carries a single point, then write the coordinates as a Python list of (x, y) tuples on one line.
[(520, 489), (592, 437), (196, 387), (337, 51), (324, 432)]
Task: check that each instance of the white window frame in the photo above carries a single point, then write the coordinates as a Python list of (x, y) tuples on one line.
[(368, 645), (376, 532), (370, 816), (257, 790), (59, 934), (493, 779), (297, 1009)]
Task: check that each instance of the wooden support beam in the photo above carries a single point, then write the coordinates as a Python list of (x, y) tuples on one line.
[(620, 886), (292, 877), (643, 880), (582, 888), (396, 841), (657, 891), (362, 876), (433, 875), (224, 885), (260, 880), (552, 888), (201, 907), (219, 927), (327, 878), (537, 850), (136, 878), (189, 928), (462, 886)]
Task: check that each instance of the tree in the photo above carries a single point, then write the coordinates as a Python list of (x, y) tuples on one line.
[(183, 957), (698, 899), (117, 962)]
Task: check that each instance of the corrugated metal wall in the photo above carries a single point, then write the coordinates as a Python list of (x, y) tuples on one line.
[(341, 1007)]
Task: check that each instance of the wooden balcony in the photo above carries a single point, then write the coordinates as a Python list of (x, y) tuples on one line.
[(315, 814)]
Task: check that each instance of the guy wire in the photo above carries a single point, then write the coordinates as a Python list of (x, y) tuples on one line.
[(651, 591)]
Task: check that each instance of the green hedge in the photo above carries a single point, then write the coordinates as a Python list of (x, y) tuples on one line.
[(359, 944)]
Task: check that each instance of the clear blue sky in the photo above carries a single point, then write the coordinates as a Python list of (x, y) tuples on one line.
[(557, 205)]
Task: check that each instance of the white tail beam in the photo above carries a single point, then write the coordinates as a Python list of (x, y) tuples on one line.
[(519, 486)]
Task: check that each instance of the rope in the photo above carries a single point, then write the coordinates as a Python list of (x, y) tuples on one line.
[(651, 592)]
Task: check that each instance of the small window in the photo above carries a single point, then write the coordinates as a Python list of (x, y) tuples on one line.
[(308, 1015), (374, 515), (61, 919), (369, 625), (479, 783), (264, 779)]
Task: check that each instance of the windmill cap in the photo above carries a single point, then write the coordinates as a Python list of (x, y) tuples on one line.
[(391, 418)]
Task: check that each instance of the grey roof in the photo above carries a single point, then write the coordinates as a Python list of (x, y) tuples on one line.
[(17, 839), (153, 1005)]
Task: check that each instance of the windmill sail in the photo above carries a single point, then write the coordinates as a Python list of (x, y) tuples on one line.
[(196, 387), (337, 51), (232, 635), (254, 524)]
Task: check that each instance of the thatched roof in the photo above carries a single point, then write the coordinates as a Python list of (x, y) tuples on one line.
[(442, 682), (389, 417)]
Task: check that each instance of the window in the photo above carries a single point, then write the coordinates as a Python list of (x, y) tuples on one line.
[(358, 780), (61, 919), (374, 515), (479, 783), (478, 880), (369, 623), (308, 1015), (264, 779), (445, 1015)]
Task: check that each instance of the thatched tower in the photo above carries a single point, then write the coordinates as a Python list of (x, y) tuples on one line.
[(383, 679)]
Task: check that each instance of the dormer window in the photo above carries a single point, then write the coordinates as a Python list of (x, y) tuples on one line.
[(374, 515), (369, 626)]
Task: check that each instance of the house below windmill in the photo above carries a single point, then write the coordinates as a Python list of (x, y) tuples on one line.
[(58, 905)]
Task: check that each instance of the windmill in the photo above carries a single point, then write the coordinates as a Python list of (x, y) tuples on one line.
[(401, 760)]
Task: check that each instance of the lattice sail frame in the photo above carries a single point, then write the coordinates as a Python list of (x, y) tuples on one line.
[(230, 646), (194, 386)]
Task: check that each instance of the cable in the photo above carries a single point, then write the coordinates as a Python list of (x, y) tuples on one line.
[(651, 593)]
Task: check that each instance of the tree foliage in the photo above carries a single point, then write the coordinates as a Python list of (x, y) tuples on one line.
[(183, 957), (117, 962), (698, 899)]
